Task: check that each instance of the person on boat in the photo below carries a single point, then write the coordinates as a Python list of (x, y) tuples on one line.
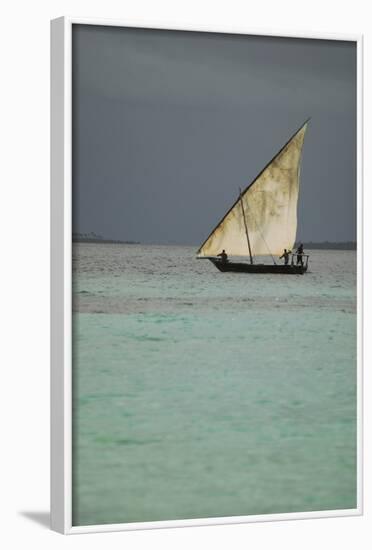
[(223, 256), (300, 252), (285, 255)]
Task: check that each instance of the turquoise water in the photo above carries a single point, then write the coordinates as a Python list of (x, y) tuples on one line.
[(201, 394)]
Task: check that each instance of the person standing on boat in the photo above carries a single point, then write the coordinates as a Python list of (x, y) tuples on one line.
[(223, 256), (285, 255), (300, 252)]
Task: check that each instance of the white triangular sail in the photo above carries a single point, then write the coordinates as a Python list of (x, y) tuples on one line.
[(269, 205)]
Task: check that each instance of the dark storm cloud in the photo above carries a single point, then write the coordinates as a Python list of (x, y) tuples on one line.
[(168, 125)]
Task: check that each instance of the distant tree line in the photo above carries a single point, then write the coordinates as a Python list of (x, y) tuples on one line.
[(94, 238), (90, 235), (326, 245)]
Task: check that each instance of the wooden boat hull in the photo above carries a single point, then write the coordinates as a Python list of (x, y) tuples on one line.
[(236, 267)]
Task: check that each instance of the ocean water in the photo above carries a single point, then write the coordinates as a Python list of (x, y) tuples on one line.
[(201, 394)]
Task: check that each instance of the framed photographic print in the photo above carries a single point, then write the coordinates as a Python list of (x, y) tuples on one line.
[(206, 276)]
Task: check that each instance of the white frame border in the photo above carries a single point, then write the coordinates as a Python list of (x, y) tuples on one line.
[(61, 279)]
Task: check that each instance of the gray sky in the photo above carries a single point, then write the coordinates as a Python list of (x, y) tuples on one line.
[(167, 126)]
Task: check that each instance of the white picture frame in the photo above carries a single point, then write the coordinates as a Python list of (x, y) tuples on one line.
[(61, 282)]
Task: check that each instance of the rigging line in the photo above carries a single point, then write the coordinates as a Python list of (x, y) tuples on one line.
[(246, 228), (263, 238)]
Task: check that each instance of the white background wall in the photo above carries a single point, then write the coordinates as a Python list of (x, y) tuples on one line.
[(24, 272)]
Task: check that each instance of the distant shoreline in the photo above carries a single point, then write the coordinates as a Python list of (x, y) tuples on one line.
[(101, 241), (348, 245)]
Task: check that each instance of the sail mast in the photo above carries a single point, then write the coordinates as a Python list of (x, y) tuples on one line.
[(245, 225)]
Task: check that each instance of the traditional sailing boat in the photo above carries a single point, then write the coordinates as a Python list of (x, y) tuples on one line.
[(263, 220)]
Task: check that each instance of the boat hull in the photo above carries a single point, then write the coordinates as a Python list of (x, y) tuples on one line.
[(236, 267)]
